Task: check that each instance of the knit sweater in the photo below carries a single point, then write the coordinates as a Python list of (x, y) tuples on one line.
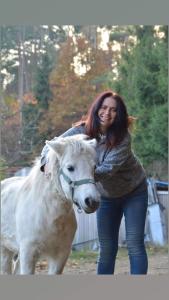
[(118, 171)]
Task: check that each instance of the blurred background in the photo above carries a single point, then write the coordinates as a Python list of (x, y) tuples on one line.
[(51, 74)]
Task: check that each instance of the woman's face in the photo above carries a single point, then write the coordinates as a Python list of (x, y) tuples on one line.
[(107, 113)]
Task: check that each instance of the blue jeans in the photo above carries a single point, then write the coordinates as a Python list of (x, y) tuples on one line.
[(109, 215)]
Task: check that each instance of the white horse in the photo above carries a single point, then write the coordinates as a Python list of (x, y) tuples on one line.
[(37, 216)]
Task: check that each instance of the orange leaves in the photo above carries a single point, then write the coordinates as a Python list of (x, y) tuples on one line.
[(30, 99), (10, 111), (73, 93)]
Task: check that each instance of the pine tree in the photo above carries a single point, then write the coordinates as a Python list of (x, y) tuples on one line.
[(42, 90), (142, 81)]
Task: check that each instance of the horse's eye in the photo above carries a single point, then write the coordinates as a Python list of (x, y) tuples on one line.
[(71, 168)]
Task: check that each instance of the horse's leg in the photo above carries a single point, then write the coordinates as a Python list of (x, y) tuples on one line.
[(28, 258), (6, 261), (56, 265)]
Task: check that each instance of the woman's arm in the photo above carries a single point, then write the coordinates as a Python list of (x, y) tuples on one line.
[(114, 159)]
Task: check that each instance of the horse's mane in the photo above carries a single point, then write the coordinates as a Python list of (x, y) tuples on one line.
[(76, 144), (73, 144), (35, 175)]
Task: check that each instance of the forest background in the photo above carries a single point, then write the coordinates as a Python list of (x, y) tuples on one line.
[(51, 74)]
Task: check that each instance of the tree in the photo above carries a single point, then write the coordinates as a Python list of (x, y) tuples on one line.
[(23, 50), (36, 105), (142, 81), (73, 84), (42, 90), (10, 129), (34, 40)]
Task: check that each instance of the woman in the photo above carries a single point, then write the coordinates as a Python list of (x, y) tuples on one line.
[(121, 181)]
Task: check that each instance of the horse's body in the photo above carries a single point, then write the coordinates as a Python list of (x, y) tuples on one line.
[(37, 216)]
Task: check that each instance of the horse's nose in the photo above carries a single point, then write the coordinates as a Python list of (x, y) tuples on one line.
[(91, 203)]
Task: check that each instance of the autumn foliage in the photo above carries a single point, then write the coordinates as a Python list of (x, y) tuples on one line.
[(72, 90)]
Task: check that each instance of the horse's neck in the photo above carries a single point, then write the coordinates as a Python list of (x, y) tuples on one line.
[(48, 188), (52, 202)]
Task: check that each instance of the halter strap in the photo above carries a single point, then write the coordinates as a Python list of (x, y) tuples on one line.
[(75, 183)]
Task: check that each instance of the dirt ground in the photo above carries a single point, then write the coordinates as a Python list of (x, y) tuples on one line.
[(158, 264)]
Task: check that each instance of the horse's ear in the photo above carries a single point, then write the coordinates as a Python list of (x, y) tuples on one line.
[(92, 142), (57, 145)]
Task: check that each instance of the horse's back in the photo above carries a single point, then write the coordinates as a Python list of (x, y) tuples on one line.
[(10, 191), (11, 183)]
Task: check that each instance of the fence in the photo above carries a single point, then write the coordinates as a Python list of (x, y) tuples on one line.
[(86, 233), (156, 229)]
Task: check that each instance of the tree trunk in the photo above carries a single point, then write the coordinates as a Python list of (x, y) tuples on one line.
[(90, 32), (21, 37)]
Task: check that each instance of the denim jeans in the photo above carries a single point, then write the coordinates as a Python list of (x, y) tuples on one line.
[(109, 215)]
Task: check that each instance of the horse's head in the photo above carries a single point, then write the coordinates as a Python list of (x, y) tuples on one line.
[(76, 158)]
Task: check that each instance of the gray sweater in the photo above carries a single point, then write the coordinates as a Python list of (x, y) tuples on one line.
[(118, 171)]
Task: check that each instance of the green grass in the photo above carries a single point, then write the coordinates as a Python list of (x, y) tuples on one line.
[(152, 250), (91, 256), (83, 255)]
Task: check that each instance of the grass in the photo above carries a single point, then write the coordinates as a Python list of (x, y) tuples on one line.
[(152, 250), (81, 260), (83, 255), (91, 256)]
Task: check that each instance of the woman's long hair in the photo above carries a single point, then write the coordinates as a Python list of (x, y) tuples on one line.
[(118, 129)]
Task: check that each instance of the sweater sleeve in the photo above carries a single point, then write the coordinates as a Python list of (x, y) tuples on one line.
[(69, 132), (114, 159)]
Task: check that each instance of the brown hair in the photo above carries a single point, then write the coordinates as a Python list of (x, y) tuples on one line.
[(119, 128)]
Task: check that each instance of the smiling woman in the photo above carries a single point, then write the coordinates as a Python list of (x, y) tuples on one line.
[(107, 113)]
